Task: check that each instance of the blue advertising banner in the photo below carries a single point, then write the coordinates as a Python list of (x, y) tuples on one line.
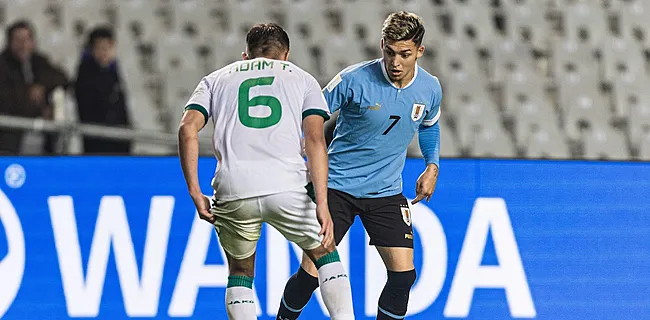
[(118, 237)]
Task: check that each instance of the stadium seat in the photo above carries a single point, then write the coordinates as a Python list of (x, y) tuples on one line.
[(456, 55), (508, 56), (635, 24), (32, 10), (585, 22), (176, 51), (192, 19), (492, 142), (473, 20), (546, 143), (571, 57), (621, 55), (532, 113), (639, 119), (582, 104), (523, 87), (644, 147), (178, 88), (629, 88), (370, 21), (526, 22), (62, 51), (337, 54), (140, 20), (472, 117), (605, 144), (228, 48), (79, 17), (448, 141), (307, 19), (245, 13)]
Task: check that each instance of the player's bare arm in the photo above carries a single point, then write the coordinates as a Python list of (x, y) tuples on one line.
[(188, 150), (426, 184), (316, 151)]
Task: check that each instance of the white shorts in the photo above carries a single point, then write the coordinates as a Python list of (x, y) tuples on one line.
[(239, 222)]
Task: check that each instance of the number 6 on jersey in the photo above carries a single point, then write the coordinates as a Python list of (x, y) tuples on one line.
[(244, 104)]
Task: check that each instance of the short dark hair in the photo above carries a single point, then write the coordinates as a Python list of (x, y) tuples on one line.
[(20, 24), (268, 40), (99, 33), (403, 26)]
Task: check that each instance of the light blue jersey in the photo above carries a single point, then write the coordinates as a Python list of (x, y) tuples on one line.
[(376, 123)]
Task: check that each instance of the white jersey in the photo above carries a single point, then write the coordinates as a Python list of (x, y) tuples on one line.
[(257, 107)]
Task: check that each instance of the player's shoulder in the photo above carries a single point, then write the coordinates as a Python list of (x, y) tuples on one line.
[(428, 78), (357, 73), (358, 70)]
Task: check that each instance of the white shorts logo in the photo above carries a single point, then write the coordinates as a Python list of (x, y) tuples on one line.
[(417, 112), (406, 215), (12, 267)]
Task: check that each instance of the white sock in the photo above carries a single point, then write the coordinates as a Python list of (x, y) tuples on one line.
[(240, 299), (335, 287)]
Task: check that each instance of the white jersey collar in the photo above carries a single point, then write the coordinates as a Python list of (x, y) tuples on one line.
[(383, 71)]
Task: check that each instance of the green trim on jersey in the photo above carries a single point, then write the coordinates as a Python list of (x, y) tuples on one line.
[(318, 112), (199, 108)]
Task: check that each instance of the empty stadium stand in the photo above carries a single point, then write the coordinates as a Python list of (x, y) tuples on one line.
[(521, 78)]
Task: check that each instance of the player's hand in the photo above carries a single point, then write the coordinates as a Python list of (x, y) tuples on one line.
[(202, 204), (327, 226), (426, 184)]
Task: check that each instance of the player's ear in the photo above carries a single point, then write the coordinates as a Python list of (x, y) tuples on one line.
[(381, 44), (286, 55), (244, 56), (420, 52)]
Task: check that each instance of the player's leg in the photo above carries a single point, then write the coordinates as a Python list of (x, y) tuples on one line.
[(388, 223), (239, 224), (240, 298), (294, 215)]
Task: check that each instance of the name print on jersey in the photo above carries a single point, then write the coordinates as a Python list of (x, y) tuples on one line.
[(256, 65)]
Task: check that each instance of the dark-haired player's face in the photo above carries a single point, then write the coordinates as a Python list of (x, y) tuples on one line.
[(400, 58)]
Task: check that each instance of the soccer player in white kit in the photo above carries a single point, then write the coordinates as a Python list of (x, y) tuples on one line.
[(260, 107)]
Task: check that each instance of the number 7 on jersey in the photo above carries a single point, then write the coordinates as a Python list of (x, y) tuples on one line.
[(395, 119)]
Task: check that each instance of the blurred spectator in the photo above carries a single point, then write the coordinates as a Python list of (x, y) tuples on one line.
[(100, 96), (27, 80)]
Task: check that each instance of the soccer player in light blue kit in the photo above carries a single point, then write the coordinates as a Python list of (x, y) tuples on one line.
[(382, 104)]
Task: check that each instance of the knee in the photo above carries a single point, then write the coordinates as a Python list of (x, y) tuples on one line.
[(401, 280), (244, 267)]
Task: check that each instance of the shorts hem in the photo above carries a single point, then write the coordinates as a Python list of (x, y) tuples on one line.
[(377, 244), (307, 248), (240, 256)]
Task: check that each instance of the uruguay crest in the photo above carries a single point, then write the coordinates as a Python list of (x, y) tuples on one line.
[(417, 112), (406, 215)]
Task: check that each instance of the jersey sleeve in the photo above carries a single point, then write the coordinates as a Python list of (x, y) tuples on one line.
[(434, 114), (200, 99), (314, 102), (336, 92)]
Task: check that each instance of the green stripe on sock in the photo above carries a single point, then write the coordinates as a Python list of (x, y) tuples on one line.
[(327, 259), (240, 281)]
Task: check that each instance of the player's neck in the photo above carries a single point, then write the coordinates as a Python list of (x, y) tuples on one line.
[(404, 81)]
